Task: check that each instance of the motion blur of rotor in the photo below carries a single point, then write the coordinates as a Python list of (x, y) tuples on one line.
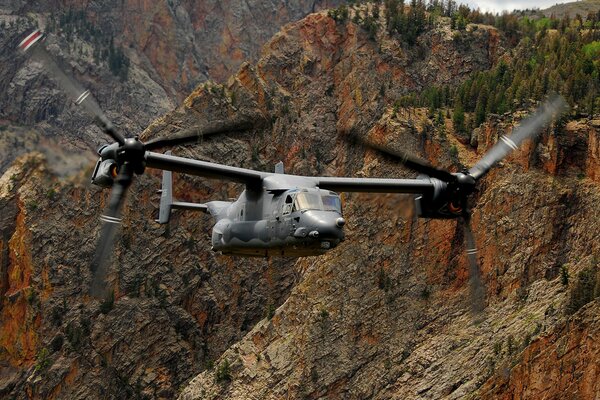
[(450, 199), (119, 161)]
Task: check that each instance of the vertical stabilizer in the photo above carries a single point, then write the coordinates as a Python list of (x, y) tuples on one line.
[(166, 196), (166, 199), (279, 168)]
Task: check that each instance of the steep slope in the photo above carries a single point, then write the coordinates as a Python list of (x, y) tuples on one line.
[(187, 304), (183, 307), (573, 8), (385, 315), (139, 58)]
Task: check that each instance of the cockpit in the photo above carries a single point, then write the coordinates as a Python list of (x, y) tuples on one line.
[(322, 200)]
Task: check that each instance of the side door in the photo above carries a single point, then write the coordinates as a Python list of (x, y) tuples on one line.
[(285, 221)]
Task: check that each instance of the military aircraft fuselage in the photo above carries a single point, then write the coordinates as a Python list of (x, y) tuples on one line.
[(277, 221)]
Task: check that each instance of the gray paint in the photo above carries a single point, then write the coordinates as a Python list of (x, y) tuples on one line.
[(259, 223)]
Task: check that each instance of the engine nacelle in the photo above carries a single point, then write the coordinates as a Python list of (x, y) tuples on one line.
[(447, 199), (437, 205), (105, 173)]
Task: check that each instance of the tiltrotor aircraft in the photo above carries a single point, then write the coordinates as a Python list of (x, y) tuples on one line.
[(277, 214)]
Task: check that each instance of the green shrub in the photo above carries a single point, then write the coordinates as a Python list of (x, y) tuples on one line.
[(108, 303), (583, 290), (43, 359), (453, 151), (223, 373)]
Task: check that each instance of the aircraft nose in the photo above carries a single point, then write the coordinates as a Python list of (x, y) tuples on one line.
[(325, 225)]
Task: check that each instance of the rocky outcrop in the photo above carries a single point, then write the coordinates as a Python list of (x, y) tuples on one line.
[(564, 361), (171, 316), (139, 58), (385, 315)]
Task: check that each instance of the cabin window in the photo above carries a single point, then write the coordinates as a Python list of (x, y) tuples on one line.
[(287, 206)]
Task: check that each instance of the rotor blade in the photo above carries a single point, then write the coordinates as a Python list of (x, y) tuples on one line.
[(33, 44), (477, 287), (195, 134), (110, 225), (529, 128), (408, 161)]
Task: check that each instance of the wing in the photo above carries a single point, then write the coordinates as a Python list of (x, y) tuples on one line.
[(204, 169), (254, 178), (376, 185)]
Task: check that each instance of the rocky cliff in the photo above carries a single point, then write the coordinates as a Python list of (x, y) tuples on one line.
[(385, 315), (134, 82), (139, 59)]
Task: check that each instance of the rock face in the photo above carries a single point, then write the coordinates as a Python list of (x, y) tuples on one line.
[(58, 343), (139, 58), (384, 315), (51, 345), (565, 361)]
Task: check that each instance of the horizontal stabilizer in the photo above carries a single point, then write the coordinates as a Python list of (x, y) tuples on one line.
[(190, 206)]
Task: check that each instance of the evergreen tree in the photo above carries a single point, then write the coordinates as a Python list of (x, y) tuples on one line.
[(458, 119)]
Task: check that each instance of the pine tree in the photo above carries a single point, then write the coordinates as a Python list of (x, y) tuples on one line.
[(480, 107), (458, 119)]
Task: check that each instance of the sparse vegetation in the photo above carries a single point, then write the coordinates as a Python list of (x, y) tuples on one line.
[(526, 340), (510, 345), (563, 61), (32, 297), (497, 348), (408, 23), (585, 289), (270, 313), (74, 23), (339, 14), (42, 360), (564, 275), (223, 373), (107, 304), (453, 151), (51, 194), (324, 314)]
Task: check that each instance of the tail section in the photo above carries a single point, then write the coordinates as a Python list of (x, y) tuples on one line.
[(166, 200)]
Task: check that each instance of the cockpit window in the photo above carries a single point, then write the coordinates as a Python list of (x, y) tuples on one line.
[(308, 201), (332, 203)]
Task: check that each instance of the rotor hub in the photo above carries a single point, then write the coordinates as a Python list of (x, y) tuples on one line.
[(132, 152), (465, 183)]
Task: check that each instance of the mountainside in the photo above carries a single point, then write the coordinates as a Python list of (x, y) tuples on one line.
[(384, 315), (138, 58), (582, 8)]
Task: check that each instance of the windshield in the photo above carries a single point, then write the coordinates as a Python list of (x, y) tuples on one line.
[(332, 203), (308, 201)]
